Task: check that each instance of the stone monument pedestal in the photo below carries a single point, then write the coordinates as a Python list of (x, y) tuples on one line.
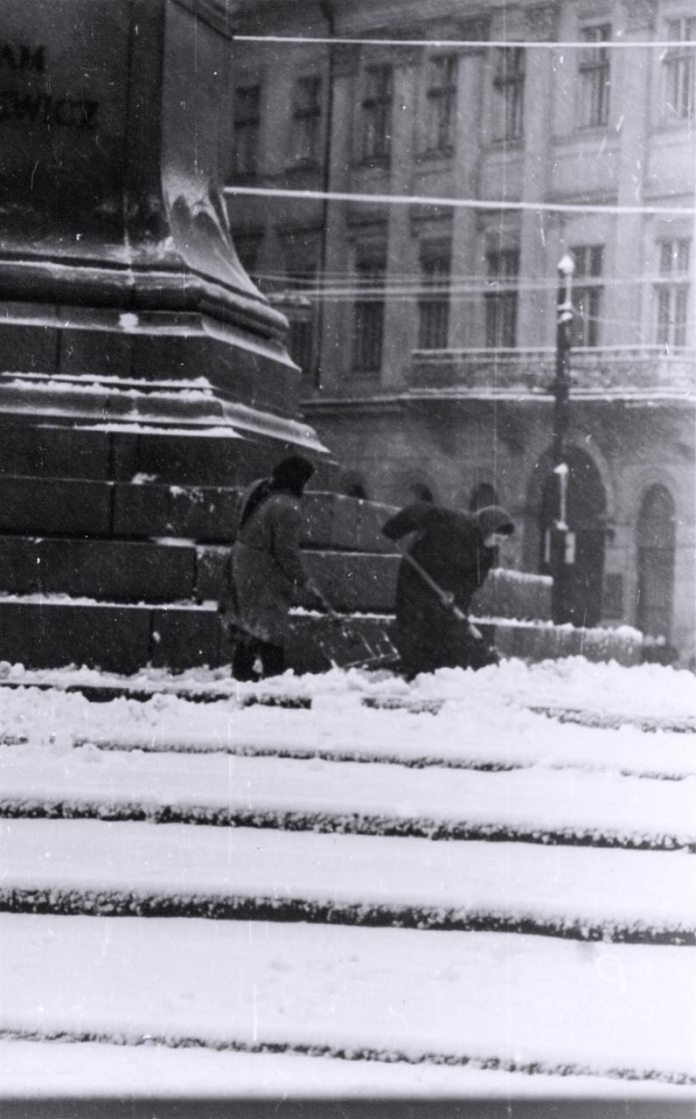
[(143, 377), (122, 294)]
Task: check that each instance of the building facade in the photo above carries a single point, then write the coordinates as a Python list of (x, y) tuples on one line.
[(425, 176)]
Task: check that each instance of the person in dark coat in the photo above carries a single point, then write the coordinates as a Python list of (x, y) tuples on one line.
[(267, 568), (456, 550)]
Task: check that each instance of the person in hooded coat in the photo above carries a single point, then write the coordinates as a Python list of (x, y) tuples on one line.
[(457, 550), (267, 568)]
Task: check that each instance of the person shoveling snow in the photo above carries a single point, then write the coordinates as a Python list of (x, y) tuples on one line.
[(448, 561)]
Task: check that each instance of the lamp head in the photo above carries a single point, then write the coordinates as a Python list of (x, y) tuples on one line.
[(566, 265)]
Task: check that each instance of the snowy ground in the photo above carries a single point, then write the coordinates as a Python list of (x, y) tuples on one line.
[(476, 885)]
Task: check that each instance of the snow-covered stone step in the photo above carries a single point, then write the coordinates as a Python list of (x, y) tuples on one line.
[(98, 867), (670, 761), (536, 804), (474, 729), (487, 1000), (87, 1071), (604, 720)]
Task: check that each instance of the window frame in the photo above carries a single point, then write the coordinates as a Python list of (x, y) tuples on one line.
[(306, 121), (594, 77), (508, 85), (502, 304), (302, 252), (441, 103), (369, 316), (376, 112), (246, 127), (678, 71), (588, 294), (672, 292), (434, 298)]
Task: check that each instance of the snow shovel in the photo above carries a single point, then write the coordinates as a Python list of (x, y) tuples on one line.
[(481, 653), (347, 652), (446, 598)]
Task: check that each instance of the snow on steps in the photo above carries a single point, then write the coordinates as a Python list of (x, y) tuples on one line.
[(340, 992), (557, 1003), (538, 804), (251, 874), (170, 1080), (143, 686)]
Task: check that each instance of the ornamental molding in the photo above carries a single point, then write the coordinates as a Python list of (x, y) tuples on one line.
[(640, 13)]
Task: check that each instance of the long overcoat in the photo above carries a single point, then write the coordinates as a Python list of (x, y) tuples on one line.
[(449, 545), (267, 567)]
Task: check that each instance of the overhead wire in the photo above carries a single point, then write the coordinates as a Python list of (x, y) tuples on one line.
[(495, 205), (407, 288), (477, 44), (460, 285)]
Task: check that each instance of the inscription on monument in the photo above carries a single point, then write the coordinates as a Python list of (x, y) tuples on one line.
[(30, 106)]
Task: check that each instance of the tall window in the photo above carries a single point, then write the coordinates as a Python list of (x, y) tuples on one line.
[(377, 107), (299, 299), (502, 267), (306, 120), (594, 80), (368, 322), (673, 292), (433, 304), (441, 102), (247, 122), (679, 69), (248, 246), (508, 83), (587, 294), (301, 339)]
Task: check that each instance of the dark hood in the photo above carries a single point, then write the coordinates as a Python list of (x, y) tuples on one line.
[(492, 518), (292, 474)]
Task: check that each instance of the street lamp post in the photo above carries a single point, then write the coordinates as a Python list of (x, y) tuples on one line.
[(559, 537)]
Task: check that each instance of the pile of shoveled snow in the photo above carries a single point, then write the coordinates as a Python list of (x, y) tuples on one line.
[(492, 698)]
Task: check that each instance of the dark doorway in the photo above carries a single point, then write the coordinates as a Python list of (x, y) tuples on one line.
[(585, 516), (656, 546)]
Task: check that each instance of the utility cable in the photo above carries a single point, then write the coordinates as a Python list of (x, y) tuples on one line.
[(476, 44), (457, 203)]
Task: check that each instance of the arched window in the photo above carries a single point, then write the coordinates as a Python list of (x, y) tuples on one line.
[(655, 548), (482, 494)]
